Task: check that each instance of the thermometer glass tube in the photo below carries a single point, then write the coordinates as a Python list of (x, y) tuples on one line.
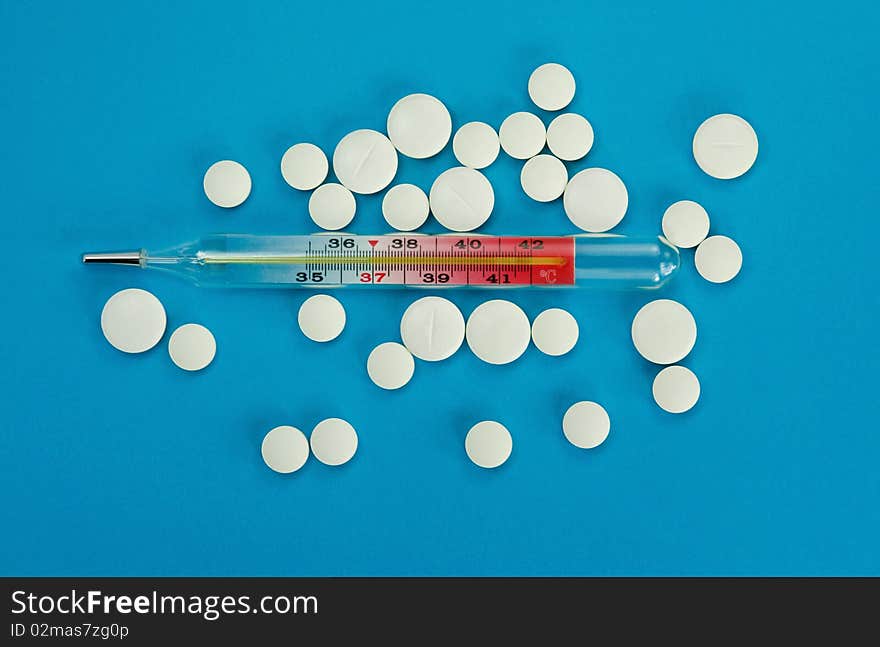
[(328, 260)]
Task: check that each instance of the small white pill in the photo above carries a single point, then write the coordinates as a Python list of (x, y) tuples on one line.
[(133, 320), (570, 137), (405, 207), (685, 224), (227, 183), (543, 178), (718, 259), (390, 365), (725, 146), (676, 389), (365, 161), (586, 424), (332, 206), (664, 331), (304, 166), (285, 449), (522, 135), (192, 347), (595, 200), (498, 331), (333, 441), (488, 444), (321, 318), (432, 328), (461, 199), (555, 331), (419, 126), (551, 86), (476, 145)]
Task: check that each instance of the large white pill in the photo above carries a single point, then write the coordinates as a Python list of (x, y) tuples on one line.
[(543, 178), (332, 206), (685, 224), (498, 331), (419, 126), (304, 166), (570, 137), (725, 146), (365, 161), (461, 199), (405, 207), (555, 331), (522, 135), (321, 318), (476, 145), (333, 441), (133, 320), (390, 365), (285, 449), (664, 331), (488, 444), (227, 183), (595, 200), (551, 86), (432, 328), (586, 424), (718, 259), (676, 389), (192, 347)]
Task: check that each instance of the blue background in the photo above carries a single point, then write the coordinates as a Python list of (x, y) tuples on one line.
[(115, 464)]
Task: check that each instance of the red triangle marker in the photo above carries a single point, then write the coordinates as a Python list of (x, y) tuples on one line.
[(372, 242)]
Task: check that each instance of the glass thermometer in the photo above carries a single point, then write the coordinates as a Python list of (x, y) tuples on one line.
[(333, 260)]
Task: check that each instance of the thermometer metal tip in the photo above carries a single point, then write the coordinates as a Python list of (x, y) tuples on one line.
[(117, 258)]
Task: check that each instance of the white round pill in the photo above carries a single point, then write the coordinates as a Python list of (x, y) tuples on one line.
[(285, 449), (570, 137), (676, 389), (488, 444), (476, 145), (461, 199), (304, 166), (586, 424), (664, 331), (405, 207), (718, 259), (555, 331), (390, 365), (333, 441), (227, 183), (332, 206), (321, 318), (522, 135), (551, 86), (192, 347), (365, 161), (725, 146), (432, 328), (685, 224), (498, 331), (543, 178), (595, 200), (419, 126), (133, 320)]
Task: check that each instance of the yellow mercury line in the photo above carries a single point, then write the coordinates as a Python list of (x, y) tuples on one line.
[(467, 261)]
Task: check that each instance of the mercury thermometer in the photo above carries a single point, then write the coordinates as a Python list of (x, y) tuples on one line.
[(447, 260)]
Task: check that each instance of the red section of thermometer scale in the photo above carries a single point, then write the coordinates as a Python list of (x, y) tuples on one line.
[(452, 260)]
